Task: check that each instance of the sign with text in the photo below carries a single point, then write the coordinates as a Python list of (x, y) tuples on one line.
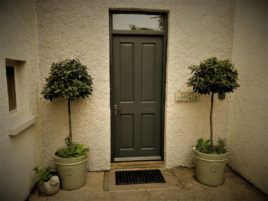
[(186, 96)]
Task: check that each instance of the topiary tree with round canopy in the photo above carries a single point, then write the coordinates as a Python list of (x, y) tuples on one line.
[(213, 76), (68, 79)]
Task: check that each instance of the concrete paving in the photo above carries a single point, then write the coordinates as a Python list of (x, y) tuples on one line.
[(100, 188)]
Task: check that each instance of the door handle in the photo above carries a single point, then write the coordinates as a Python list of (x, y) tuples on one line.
[(116, 109)]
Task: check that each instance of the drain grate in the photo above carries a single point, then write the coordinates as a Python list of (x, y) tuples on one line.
[(138, 177)]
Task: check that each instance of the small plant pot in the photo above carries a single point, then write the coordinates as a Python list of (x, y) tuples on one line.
[(209, 168), (50, 187), (72, 171)]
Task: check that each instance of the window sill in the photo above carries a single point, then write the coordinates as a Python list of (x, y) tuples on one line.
[(21, 123)]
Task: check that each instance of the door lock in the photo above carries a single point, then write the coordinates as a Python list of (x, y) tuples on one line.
[(116, 109)]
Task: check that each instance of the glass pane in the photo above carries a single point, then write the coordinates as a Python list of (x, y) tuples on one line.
[(139, 22), (11, 88)]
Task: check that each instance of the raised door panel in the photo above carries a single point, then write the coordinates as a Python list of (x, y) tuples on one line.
[(148, 71), (126, 132), (126, 71)]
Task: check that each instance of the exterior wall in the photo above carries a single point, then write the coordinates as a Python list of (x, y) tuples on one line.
[(80, 29), (247, 136), (19, 154)]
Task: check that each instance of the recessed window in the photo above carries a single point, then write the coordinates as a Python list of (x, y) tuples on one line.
[(139, 22), (20, 117), (11, 87)]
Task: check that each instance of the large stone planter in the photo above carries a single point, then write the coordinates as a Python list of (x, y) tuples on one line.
[(209, 168), (72, 171)]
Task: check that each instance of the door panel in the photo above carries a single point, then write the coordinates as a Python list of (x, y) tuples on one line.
[(126, 71), (148, 71), (127, 127), (148, 132), (137, 68)]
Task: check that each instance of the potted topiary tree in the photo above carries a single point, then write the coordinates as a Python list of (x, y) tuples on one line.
[(212, 76), (69, 79)]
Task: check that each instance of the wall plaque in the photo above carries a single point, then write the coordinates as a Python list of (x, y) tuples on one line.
[(186, 96)]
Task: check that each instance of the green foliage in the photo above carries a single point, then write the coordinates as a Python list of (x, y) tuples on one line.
[(68, 141), (44, 174), (205, 147), (220, 149), (68, 79), (213, 75), (72, 150)]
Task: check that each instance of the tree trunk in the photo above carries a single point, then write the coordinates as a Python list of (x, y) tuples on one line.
[(211, 122), (70, 122)]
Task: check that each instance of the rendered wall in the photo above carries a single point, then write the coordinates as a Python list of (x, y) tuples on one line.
[(80, 29), (247, 136), (19, 154)]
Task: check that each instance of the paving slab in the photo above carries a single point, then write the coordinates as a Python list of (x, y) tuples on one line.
[(182, 186)]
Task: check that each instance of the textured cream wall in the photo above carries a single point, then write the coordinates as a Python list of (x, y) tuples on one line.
[(247, 136), (80, 29), (19, 154)]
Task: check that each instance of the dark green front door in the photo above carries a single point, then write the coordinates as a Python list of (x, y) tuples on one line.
[(137, 73)]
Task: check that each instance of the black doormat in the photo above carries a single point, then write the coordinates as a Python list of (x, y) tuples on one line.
[(138, 177)]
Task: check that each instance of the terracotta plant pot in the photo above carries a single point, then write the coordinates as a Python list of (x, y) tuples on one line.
[(209, 168), (72, 171)]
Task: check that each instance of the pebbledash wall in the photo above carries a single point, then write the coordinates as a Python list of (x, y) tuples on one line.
[(43, 32), (80, 29)]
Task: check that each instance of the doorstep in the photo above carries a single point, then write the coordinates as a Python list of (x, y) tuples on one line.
[(137, 165)]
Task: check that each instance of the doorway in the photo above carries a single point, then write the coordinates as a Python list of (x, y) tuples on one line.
[(137, 89)]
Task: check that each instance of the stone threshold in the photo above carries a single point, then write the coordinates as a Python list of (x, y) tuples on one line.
[(137, 164)]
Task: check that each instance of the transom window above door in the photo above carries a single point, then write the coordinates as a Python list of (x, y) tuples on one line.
[(138, 22)]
